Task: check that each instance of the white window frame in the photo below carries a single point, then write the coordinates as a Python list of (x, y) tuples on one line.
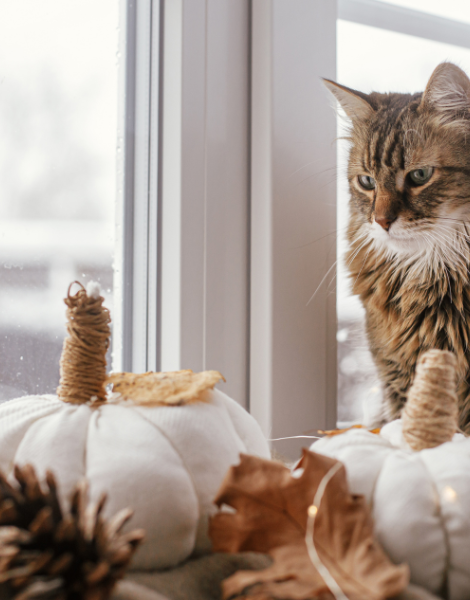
[(405, 20), (137, 253), (184, 179), (227, 203)]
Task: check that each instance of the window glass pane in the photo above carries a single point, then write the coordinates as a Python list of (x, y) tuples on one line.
[(458, 10), (58, 96), (380, 61)]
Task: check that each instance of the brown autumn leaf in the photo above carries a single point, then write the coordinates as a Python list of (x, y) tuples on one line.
[(162, 389), (271, 517), (333, 432)]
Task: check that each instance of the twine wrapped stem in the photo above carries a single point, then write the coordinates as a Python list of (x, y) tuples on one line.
[(83, 360), (430, 416)]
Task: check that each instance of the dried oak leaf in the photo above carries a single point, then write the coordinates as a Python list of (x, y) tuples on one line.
[(167, 388), (333, 432), (271, 517)]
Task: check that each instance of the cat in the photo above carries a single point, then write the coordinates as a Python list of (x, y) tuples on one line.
[(409, 227)]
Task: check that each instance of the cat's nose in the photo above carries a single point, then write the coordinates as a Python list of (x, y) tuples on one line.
[(385, 222)]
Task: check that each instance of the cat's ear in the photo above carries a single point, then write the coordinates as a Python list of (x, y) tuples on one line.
[(355, 104), (448, 91)]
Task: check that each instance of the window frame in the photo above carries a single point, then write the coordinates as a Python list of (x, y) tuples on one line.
[(191, 139), (399, 19), (293, 220), (137, 251)]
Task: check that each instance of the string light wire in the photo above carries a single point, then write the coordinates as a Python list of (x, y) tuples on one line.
[(294, 437), (309, 535)]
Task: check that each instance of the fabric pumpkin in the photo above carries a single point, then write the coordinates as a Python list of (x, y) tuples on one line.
[(166, 463), (420, 501)]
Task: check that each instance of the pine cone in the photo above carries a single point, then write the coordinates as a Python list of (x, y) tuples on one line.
[(48, 554)]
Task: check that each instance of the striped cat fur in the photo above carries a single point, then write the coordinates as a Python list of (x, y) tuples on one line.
[(409, 228)]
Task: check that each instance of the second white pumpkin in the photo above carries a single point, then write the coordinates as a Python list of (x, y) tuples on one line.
[(420, 502)]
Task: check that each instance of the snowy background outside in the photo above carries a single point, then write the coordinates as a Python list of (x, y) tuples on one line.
[(58, 97)]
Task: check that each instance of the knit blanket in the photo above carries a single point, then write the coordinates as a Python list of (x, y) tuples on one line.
[(201, 578)]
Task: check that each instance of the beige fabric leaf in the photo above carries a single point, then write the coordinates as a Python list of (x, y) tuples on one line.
[(167, 388)]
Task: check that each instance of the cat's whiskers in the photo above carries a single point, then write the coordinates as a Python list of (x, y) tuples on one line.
[(435, 250), (453, 219), (440, 264), (411, 130), (441, 252), (356, 252), (453, 241), (449, 253), (460, 239), (444, 238), (443, 264), (460, 234), (321, 282), (428, 241)]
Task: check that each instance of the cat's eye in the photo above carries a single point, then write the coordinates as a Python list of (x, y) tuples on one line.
[(420, 176), (367, 182)]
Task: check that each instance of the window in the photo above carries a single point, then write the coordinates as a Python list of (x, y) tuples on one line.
[(58, 114), (226, 212)]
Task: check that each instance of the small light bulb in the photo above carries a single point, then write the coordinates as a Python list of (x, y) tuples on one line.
[(312, 510), (449, 494)]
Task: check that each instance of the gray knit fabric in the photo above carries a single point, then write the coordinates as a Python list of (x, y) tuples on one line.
[(197, 579), (200, 579)]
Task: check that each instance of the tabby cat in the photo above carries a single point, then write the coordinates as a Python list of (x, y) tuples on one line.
[(409, 229)]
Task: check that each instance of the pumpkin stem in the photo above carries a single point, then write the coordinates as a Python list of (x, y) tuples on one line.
[(83, 360), (430, 416)]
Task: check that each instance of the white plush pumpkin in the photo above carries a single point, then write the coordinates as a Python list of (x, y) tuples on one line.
[(166, 462), (420, 500)]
